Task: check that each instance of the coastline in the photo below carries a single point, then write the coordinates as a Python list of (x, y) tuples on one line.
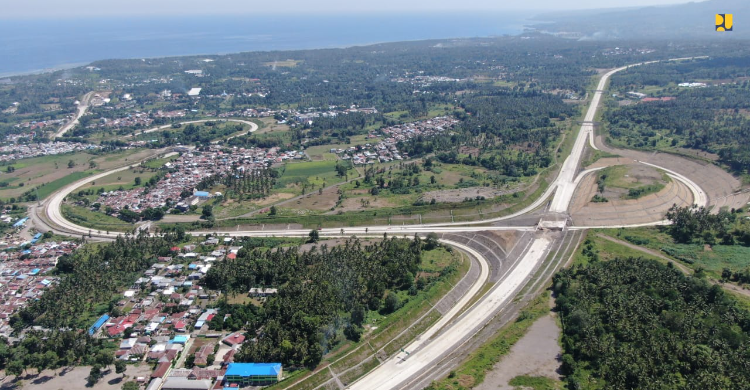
[(36, 47), (56, 68)]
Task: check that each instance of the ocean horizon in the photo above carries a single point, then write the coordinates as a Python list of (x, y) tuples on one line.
[(33, 46)]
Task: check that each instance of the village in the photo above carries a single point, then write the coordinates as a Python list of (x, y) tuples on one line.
[(187, 171), (18, 151), (165, 319), (136, 119), (387, 150), (24, 265)]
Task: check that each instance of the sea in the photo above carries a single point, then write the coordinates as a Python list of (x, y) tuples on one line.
[(30, 46)]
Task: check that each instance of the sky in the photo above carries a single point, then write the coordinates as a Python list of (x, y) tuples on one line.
[(44, 9)]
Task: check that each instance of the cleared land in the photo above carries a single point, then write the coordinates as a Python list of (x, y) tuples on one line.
[(649, 208), (720, 186), (75, 378), (51, 173), (536, 354)]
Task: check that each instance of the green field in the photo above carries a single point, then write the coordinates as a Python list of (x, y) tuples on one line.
[(713, 260), (94, 220), (49, 173), (47, 189), (159, 162), (312, 172)]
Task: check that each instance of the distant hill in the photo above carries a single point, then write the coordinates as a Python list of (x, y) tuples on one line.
[(684, 21)]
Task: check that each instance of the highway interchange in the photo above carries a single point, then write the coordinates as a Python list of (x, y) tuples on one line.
[(508, 264)]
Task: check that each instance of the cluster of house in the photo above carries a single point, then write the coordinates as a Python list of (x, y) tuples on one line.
[(304, 117), (19, 151), (166, 323), (34, 125), (229, 376), (424, 81), (626, 50), (387, 149), (23, 279), (21, 137), (136, 119), (259, 112), (692, 85), (188, 170), (643, 97), (307, 116)]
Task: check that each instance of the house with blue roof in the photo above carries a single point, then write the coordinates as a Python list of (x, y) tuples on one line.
[(180, 340), (253, 374), (98, 324), (202, 194), (20, 222)]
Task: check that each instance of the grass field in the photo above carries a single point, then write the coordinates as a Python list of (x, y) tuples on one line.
[(124, 179), (311, 172), (159, 162), (270, 125), (94, 220), (43, 171), (47, 189), (534, 383), (283, 64), (712, 259)]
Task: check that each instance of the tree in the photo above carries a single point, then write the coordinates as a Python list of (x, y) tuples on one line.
[(130, 386), (190, 361), (121, 366), (92, 164), (104, 359), (15, 368), (431, 242), (392, 303), (71, 164), (138, 181), (272, 211), (353, 332), (340, 170), (208, 211), (10, 169), (94, 375), (314, 236)]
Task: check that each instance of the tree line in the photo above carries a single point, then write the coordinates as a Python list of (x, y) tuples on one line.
[(637, 324), (323, 294)]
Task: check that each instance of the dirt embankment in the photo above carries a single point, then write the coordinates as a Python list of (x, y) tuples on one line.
[(459, 195), (535, 354)]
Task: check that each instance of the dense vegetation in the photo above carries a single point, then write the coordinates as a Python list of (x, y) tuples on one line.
[(637, 324), (242, 184), (698, 225), (323, 293), (712, 119)]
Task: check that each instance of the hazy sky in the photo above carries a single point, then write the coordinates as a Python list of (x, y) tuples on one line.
[(70, 8)]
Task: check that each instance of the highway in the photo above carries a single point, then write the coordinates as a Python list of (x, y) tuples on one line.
[(425, 351), (451, 331), (80, 110)]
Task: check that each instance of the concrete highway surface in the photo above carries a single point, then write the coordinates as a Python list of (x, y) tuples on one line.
[(425, 350), (460, 323), (82, 107)]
